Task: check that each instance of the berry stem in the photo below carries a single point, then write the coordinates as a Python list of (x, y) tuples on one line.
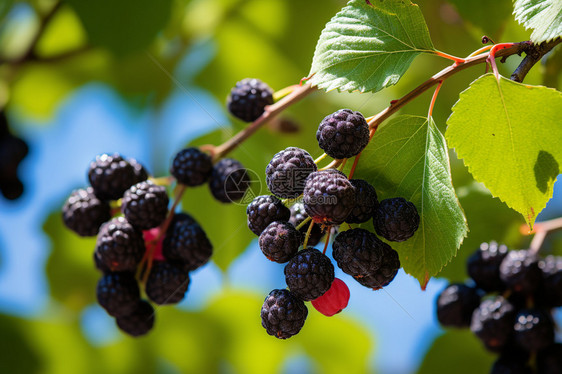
[(457, 60), (323, 156), (278, 95), (492, 56), (308, 234), (304, 222), (162, 181), (434, 98), (541, 229), (270, 112), (327, 240), (342, 166), (481, 50), (332, 165)]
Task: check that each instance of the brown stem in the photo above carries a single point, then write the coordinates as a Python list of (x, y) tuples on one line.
[(533, 55), (395, 105), (270, 112)]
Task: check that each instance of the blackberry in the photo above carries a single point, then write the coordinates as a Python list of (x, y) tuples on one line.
[(248, 99), (111, 176), (167, 282), (118, 293), (11, 189), (520, 272), (343, 134), (298, 215), (551, 292), (140, 171), (139, 322), (358, 252), (12, 151), (483, 266), (493, 322), (187, 242), (191, 167), (334, 300), (84, 213), (119, 245), (145, 205), (382, 277), (283, 314), (396, 219), (287, 171), (455, 305), (100, 265), (329, 197), (263, 210), (365, 202), (534, 329), (280, 241), (549, 360), (229, 181), (309, 274)]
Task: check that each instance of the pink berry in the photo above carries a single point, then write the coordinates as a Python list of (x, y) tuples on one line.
[(334, 300), (151, 235)]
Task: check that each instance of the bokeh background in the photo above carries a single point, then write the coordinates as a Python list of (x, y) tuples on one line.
[(145, 78)]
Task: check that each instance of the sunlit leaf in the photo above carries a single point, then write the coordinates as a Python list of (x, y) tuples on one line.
[(543, 16)]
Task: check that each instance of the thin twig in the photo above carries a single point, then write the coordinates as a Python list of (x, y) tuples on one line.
[(533, 55)]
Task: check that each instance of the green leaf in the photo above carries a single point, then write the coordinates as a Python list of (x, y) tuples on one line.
[(458, 349), (508, 134), (488, 15), (408, 158), (123, 25), (369, 47), (543, 16)]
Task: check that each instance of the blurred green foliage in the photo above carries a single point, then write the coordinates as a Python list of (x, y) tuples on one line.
[(136, 47)]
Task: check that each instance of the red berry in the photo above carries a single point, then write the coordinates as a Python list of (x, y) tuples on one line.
[(150, 236), (334, 300)]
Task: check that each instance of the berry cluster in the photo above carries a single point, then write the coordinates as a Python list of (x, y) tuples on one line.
[(142, 240), (326, 198), (514, 319), (12, 151)]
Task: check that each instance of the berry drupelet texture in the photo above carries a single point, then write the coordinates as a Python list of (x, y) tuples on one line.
[(534, 329), (140, 171), (343, 134), (283, 314), (280, 241), (263, 210), (390, 264), (187, 242), (145, 205), (191, 167), (455, 305), (520, 272), (248, 99), (139, 322), (396, 219), (483, 266), (84, 213), (493, 321), (287, 171), (366, 202), (551, 292), (229, 181), (309, 274), (358, 252), (118, 293), (119, 246), (110, 176), (167, 282), (328, 197)]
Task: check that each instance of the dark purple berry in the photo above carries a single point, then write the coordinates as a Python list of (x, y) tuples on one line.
[(119, 245), (483, 266), (111, 176), (390, 264), (263, 210), (248, 99), (366, 202), (493, 321), (191, 167), (343, 134), (145, 205), (520, 272), (551, 292), (287, 171), (167, 282), (328, 197), (283, 314), (455, 305), (280, 241), (229, 181), (139, 322), (358, 252), (298, 215), (140, 171), (84, 213), (534, 329), (396, 219), (118, 293), (309, 274)]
